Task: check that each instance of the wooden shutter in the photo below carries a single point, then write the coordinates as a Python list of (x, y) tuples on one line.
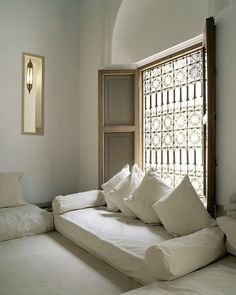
[(210, 113), (118, 121)]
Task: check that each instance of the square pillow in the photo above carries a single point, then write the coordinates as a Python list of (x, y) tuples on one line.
[(152, 189), (125, 188), (111, 184), (228, 226), (10, 190), (182, 212)]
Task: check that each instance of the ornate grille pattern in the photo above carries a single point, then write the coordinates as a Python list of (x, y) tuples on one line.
[(173, 113)]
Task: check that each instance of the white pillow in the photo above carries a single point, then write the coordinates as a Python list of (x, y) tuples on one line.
[(152, 189), (111, 184), (177, 257), (24, 221), (228, 226), (125, 188), (77, 201), (182, 212), (10, 190)]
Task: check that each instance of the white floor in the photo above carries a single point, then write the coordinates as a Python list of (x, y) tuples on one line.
[(50, 264)]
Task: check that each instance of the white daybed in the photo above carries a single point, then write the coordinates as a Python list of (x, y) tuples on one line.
[(34, 261), (129, 244), (218, 278), (122, 242), (118, 240)]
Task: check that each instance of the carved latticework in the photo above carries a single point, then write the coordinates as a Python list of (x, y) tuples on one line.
[(173, 120)]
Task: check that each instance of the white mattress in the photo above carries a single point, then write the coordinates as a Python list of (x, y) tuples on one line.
[(119, 240), (26, 220), (218, 278), (50, 264)]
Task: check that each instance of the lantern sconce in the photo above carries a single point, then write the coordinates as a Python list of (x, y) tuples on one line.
[(29, 75), (32, 118)]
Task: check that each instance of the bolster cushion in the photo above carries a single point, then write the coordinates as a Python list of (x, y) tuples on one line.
[(177, 257), (62, 204)]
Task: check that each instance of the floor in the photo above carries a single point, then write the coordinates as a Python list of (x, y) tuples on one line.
[(50, 264)]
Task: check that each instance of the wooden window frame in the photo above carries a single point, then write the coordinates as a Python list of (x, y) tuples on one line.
[(102, 129), (208, 47)]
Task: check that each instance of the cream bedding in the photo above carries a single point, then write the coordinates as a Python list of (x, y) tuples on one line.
[(119, 240), (23, 221), (50, 264), (219, 278)]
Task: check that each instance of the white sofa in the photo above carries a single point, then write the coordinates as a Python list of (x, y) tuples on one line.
[(123, 242)]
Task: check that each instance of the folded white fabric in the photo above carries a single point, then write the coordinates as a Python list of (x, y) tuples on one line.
[(24, 221), (111, 184), (177, 257), (152, 189), (228, 226), (62, 204), (125, 188)]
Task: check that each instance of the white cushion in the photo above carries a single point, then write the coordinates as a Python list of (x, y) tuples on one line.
[(228, 226), (125, 188), (177, 257), (81, 200), (10, 190), (182, 212), (24, 221), (152, 189), (111, 184)]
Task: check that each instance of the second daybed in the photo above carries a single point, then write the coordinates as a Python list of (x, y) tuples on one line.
[(168, 255), (217, 278)]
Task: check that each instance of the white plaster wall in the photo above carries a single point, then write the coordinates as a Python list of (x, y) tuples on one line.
[(89, 63), (48, 28), (144, 28), (96, 23), (225, 18)]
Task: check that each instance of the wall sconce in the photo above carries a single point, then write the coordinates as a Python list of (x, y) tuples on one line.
[(29, 76), (32, 94)]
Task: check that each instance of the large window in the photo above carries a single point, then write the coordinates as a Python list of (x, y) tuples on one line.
[(173, 130), (170, 125)]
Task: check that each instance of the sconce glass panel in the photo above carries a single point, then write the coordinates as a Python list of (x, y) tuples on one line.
[(32, 94)]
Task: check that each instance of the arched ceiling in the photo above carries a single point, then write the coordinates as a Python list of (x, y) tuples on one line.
[(146, 27)]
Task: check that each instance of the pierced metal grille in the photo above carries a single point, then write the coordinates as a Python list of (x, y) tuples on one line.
[(173, 113)]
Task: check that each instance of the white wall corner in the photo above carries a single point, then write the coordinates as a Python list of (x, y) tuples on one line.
[(105, 52)]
